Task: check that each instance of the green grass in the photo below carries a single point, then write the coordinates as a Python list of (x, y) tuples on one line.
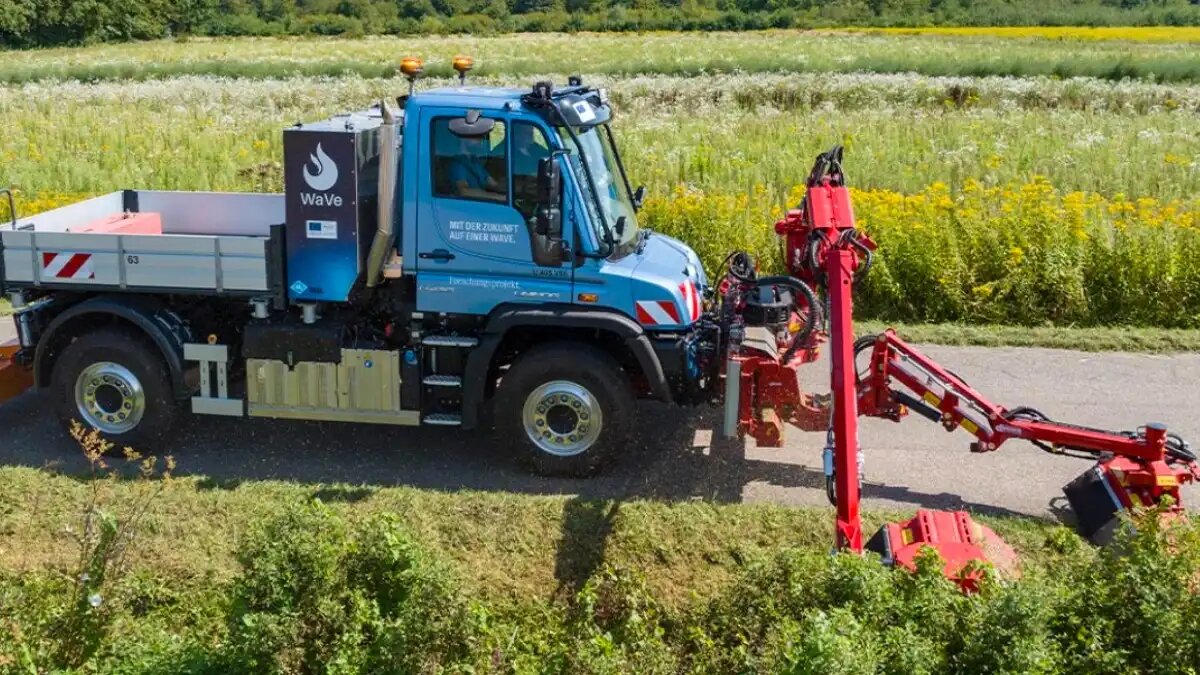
[(5, 307), (507, 548), (1109, 339), (644, 53)]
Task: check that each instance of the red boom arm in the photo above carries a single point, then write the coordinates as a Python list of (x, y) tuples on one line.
[(823, 249)]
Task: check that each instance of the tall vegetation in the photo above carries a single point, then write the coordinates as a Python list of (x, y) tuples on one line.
[(318, 593), (48, 22), (1018, 201)]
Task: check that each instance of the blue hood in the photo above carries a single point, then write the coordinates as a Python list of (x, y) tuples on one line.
[(661, 287), (667, 284)]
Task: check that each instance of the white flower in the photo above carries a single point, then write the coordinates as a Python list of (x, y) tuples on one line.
[(95, 600)]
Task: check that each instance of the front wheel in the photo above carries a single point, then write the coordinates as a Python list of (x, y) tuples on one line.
[(566, 407)]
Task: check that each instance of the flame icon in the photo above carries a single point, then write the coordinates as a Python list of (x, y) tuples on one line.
[(326, 171)]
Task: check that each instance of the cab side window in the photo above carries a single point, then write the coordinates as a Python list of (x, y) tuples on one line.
[(470, 167), (529, 147)]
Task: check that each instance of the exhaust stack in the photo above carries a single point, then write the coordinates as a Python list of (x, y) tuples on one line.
[(385, 234)]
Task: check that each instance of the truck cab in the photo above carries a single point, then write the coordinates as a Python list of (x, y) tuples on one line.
[(576, 241), (473, 257)]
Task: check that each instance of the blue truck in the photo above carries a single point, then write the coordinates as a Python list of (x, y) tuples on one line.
[(469, 256)]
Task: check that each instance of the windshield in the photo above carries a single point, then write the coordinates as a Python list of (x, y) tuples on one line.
[(614, 199)]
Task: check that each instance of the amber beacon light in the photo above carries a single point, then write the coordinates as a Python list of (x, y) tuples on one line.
[(462, 64)]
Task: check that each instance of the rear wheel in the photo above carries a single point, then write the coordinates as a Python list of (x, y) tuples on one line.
[(116, 382), (566, 407)]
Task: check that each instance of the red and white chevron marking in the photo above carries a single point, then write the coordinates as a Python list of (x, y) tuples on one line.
[(67, 266), (666, 312), (691, 299), (657, 312)]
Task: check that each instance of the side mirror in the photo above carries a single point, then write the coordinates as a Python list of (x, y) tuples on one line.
[(473, 125), (549, 198), (639, 196)]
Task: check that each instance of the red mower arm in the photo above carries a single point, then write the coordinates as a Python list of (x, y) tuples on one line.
[(900, 379)]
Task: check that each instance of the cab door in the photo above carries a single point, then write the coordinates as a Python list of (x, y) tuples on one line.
[(476, 244)]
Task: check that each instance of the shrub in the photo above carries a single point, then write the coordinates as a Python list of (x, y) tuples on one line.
[(317, 596), (240, 25), (330, 24), (616, 626)]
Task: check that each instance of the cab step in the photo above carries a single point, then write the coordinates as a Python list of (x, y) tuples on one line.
[(448, 341), (443, 420), (442, 381)]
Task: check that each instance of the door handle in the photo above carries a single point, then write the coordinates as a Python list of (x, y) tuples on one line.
[(440, 254)]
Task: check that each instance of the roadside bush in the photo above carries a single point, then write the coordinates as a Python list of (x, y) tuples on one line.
[(1130, 607), (317, 596), (616, 626)]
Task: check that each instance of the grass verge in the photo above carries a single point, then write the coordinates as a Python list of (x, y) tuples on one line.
[(282, 577), (507, 548), (5, 308), (1114, 339)]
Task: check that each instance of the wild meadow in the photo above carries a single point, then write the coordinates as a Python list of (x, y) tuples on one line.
[(958, 160)]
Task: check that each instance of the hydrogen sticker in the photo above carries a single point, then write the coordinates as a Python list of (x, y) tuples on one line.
[(299, 287), (321, 229), (585, 112)]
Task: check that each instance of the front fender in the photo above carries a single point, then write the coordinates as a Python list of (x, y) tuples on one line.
[(507, 317)]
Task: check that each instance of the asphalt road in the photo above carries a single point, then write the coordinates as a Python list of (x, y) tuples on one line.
[(911, 464)]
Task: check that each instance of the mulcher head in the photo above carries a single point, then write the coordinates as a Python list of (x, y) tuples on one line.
[(955, 536)]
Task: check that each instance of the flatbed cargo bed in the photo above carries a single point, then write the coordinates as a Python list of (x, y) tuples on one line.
[(208, 243)]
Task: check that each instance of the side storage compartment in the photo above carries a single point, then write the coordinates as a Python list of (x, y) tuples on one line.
[(364, 387)]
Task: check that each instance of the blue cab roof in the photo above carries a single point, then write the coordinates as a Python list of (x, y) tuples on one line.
[(469, 96)]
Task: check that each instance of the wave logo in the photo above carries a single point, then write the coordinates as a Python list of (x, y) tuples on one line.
[(326, 174)]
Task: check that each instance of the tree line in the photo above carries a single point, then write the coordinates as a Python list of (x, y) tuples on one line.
[(30, 23)]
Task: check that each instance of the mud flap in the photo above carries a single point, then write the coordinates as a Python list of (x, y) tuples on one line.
[(14, 377)]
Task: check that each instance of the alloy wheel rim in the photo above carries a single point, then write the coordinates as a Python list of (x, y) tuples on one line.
[(110, 398), (562, 418)]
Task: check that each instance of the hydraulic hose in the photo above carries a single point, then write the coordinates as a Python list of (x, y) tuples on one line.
[(814, 309)]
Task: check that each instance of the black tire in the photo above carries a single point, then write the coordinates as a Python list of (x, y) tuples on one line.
[(595, 374), (139, 357)]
